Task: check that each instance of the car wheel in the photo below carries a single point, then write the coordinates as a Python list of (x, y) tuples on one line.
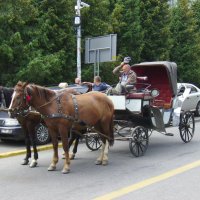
[(197, 112), (42, 134)]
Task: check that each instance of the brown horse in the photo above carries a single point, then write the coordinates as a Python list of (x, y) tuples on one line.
[(61, 110), (29, 121)]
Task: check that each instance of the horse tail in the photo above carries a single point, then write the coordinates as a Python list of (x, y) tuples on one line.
[(111, 131)]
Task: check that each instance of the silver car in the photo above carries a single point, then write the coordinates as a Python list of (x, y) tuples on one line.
[(189, 95)]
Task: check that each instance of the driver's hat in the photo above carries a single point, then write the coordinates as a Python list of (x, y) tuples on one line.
[(127, 59)]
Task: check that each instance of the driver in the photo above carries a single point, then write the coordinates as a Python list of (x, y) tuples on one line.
[(127, 77)]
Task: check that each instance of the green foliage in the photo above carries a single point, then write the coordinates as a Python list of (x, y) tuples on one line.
[(43, 70), (155, 23), (38, 39), (186, 49)]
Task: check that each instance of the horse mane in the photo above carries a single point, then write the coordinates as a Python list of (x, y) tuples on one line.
[(43, 92)]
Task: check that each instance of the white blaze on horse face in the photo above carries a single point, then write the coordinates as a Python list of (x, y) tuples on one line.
[(13, 96)]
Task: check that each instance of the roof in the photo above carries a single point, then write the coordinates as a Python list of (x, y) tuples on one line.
[(171, 71)]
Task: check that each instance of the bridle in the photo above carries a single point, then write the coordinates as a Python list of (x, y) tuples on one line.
[(21, 110)]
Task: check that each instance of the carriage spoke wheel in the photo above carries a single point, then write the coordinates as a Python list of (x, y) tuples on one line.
[(93, 142), (139, 141), (187, 126)]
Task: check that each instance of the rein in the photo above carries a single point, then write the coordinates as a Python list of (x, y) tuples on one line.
[(48, 102)]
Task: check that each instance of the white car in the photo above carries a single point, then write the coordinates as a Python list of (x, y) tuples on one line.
[(189, 95)]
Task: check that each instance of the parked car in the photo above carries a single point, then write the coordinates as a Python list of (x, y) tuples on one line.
[(10, 129), (189, 95)]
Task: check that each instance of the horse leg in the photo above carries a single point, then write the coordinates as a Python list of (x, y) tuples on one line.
[(75, 148), (105, 154), (64, 138), (100, 158), (54, 161), (28, 147), (103, 157), (33, 141), (74, 137), (104, 128), (71, 140)]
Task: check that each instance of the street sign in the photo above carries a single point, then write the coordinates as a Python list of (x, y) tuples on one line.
[(100, 49)]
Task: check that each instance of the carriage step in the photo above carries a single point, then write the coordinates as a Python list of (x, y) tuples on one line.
[(169, 134)]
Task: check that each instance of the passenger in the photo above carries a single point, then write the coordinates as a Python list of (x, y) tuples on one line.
[(63, 85), (77, 81), (127, 78), (97, 85)]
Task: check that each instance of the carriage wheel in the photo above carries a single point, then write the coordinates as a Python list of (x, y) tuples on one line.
[(139, 141), (187, 126), (93, 142)]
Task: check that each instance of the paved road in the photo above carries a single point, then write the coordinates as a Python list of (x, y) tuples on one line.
[(163, 173)]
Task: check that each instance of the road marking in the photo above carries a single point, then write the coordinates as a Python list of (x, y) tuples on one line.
[(147, 182), (19, 152)]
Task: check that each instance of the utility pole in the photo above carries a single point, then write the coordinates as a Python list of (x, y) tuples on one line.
[(78, 24)]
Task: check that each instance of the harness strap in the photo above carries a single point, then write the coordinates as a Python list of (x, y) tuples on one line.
[(59, 115), (75, 107)]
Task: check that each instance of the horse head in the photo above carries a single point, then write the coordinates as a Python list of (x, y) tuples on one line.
[(20, 99)]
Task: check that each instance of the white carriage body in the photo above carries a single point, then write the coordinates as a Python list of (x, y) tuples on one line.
[(133, 105)]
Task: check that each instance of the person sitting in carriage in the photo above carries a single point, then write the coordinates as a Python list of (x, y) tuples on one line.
[(97, 85), (127, 78)]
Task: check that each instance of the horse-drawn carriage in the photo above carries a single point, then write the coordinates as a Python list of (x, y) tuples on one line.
[(151, 107)]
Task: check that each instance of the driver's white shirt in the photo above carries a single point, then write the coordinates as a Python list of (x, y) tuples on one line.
[(124, 79)]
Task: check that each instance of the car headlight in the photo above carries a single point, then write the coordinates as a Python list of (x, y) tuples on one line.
[(11, 122)]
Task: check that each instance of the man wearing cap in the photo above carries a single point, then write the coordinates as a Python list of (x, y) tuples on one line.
[(127, 77)]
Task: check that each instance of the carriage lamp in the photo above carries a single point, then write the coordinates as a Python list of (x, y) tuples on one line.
[(154, 93)]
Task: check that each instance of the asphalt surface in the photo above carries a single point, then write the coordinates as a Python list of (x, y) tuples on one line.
[(168, 171)]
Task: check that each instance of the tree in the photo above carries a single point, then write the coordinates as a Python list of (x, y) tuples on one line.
[(155, 24), (126, 22), (30, 32), (186, 42)]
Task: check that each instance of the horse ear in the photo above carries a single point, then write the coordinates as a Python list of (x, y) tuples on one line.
[(25, 84), (29, 90)]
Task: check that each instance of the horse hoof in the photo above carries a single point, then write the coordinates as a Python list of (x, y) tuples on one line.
[(65, 171), (52, 168), (33, 164), (104, 162), (98, 162), (72, 156), (25, 162)]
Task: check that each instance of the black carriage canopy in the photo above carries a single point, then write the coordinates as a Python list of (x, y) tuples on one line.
[(160, 74)]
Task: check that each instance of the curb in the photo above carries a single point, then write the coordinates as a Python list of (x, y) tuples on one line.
[(20, 152)]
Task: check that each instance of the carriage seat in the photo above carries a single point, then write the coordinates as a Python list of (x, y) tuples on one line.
[(138, 92)]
